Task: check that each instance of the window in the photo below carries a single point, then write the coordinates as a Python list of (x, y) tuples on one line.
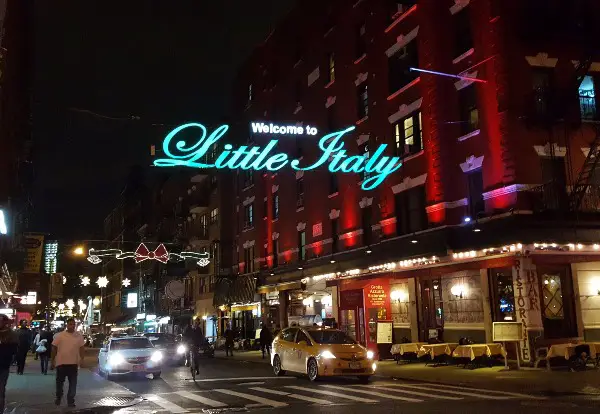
[(302, 337), (361, 40), (249, 259), (398, 8), (362, 101), (289, 335), (275, 252), (298, 92), (299, 192), (249, 216), (301, 245), (248, 178), (365, 174), (249, 93), (410, 211), (541, 91), (334, 235), (475, 184), (408, 137), (333, 183), (366, 225), (331, 124), (399, 64), (503, 295), (331, 68), (587, 98), (214, 216), (462, 32), (275, 205), (469, 114)]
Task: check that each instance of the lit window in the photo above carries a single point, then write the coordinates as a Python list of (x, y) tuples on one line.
[(331, 62), (214, 216), (249, 216), (587, 98), (301, 245), (408, 135)]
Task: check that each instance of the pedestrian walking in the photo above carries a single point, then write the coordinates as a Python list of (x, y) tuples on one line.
[(34, 345), (8, 348), (25, 340), (266, 338), (228, 341), (67, 354), (44, 348)]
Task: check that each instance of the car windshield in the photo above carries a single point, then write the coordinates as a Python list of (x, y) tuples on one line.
[(133, 343), (161, 339), (331, 337)]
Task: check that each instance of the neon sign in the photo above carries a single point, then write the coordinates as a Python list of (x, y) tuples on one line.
[(334, 156), (142, 253)]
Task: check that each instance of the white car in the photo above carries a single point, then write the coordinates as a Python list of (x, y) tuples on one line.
[(129, 355)]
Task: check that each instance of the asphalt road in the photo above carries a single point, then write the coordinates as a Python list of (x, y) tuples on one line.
[(229, 385)]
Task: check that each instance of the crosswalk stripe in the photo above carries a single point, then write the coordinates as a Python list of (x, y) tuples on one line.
[(295, 396), (512, 394), (251, 397), (201, 399), (420, 394), (331, 393), (468, 394), (375, 394), (167, 405)]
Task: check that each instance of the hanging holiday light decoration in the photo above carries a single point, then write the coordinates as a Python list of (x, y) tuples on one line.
[(142, 253), (85, 281), (70, 303), (61, 306), (102, 282), (64, 280), (54, 304), (126, 282)]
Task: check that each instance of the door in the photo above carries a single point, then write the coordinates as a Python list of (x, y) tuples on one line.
[(301, 352), (431, 317), (558, 316), (286, 348)]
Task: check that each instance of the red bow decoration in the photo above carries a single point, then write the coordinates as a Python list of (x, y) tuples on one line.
[(142, 253)]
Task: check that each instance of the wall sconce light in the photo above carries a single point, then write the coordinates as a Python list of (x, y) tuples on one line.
[(398, 296), (458, 290)]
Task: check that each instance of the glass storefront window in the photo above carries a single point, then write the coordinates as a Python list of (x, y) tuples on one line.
[(375, 314), (503, 295), (553, 299), (348, 323)]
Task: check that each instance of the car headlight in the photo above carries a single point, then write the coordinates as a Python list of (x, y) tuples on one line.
[(156, 357), (370, 354), (327, 355), (181, 349), (116, 359)]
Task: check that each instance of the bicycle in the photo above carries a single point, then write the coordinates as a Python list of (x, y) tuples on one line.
[(193, 362)]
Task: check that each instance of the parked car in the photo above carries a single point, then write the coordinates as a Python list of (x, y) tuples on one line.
[(321, 352), (129, 355), (174, 350)]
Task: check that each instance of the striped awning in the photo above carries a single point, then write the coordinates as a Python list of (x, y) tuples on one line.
[(238, 289)]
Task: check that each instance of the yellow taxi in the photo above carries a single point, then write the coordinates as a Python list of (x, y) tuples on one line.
[(320, 352)]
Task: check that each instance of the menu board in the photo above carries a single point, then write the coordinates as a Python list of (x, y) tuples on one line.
[(507, 331), (384, 332)]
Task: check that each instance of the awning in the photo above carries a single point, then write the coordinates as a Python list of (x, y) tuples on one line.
[(240, 308), (239, 289), (280, 287)]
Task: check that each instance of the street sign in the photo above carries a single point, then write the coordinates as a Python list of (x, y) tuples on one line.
[(175, 289)]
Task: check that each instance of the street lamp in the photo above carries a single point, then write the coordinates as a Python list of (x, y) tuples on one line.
[(78, 251)]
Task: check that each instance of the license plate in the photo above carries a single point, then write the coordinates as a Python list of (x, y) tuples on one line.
[(355, 365), (138, 368)]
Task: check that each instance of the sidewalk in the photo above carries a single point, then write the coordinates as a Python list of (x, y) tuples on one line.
[(532, 381), (34, 393)]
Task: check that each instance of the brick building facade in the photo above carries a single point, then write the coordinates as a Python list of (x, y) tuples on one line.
[(480, 207)]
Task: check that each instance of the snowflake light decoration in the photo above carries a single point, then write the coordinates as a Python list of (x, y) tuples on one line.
[(85, 281), (126, 282), (64, 280), (70, 304), (61, 306), (142, 253), (102, 282), (54, 304)]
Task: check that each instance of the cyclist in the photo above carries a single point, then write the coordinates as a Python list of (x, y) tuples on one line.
[(194, 337)]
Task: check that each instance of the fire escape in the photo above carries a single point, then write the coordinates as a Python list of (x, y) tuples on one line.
[(569, 25)]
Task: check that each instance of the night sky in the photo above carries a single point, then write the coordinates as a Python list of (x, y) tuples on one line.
[(98, 63)]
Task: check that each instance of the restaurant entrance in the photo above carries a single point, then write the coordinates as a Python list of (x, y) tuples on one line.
[(431, 317), (352, 314)]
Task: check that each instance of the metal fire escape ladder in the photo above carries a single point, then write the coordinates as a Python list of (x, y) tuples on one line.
[(581, 185)]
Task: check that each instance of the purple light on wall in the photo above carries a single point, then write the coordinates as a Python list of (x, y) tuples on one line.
[(448, 75)]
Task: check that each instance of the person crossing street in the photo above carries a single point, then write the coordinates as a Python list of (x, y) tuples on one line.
[(195, 339), (67, 354), (25, 340), (266, 338)]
